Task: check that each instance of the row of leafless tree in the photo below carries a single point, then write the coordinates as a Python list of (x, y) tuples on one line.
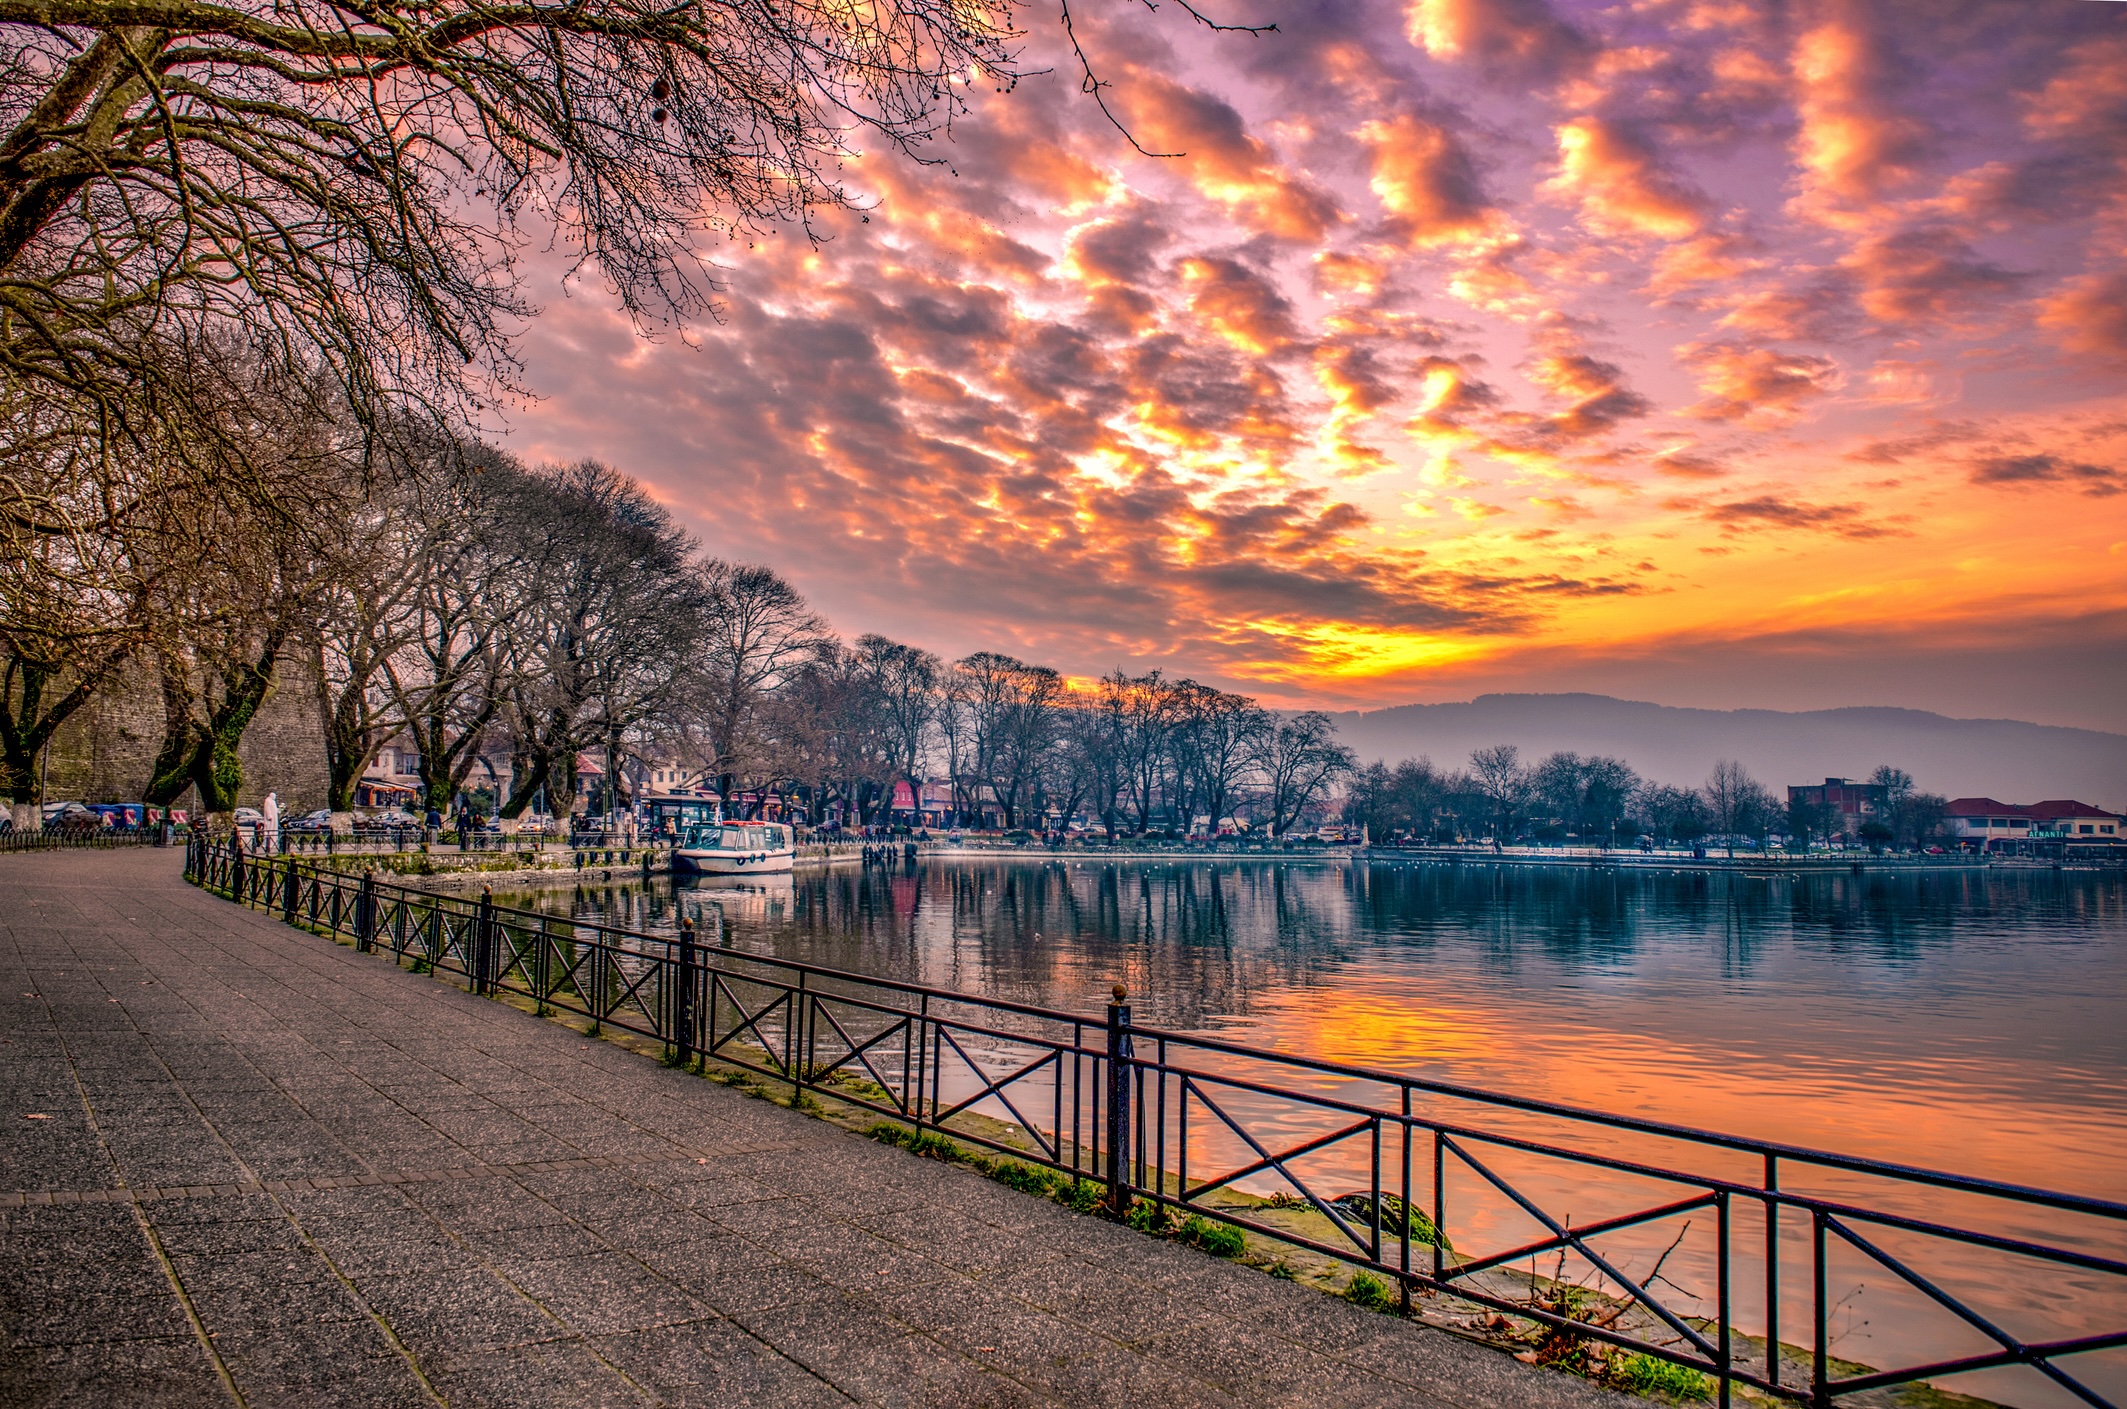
[(440, 597), (1594, 797)]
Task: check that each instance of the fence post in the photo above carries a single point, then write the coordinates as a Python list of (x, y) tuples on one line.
[(683, 1006), (236, 865), (483, 936), (366, 914), (1119, 1055), (288, 889)]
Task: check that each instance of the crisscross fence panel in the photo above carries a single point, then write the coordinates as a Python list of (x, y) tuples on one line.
[(99, 839), (1737, 1258)]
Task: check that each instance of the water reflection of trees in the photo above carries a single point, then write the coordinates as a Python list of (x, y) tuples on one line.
[(1199, 942), (1194, 942)]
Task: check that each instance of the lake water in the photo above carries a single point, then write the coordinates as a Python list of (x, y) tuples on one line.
[(1964, 1020)]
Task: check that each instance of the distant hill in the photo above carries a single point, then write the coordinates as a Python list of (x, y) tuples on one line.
[(2001, 758)]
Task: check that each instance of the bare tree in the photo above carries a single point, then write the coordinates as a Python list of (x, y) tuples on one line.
[(904, 681), (449, 682), (1736, 802), (1097, 730), (760, 630), (345, 185), (604, 639), (1676, 814), (1897, 785), (1505, 785), (1012, 712), (1147, 715), (225, 623), (1228, 733), (97, 576), (1300, 760)]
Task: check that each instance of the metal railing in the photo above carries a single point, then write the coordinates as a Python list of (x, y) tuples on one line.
[(1183, 1121), (66, 838)]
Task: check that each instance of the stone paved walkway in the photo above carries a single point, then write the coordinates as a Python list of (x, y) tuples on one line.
[(280, 1173)]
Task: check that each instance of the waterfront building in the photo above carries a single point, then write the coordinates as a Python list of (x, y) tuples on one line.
[(1855, 803), (2038, 828)]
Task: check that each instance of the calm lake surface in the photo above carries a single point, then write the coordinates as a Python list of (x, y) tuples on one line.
[(1973, 1021), (1964, 1020)]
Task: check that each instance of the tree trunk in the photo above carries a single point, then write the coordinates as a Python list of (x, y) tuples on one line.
[(204, 752), (349, 731), (26, 728), (533, 777)]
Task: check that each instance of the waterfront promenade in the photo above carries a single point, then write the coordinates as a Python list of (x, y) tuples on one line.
[(241, 1164)]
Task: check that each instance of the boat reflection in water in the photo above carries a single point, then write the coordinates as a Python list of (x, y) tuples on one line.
[(718, 903)]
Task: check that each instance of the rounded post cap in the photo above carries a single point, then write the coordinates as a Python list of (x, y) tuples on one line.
[(1121, 993), (487, 892)]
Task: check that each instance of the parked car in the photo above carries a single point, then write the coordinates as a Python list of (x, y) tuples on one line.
[(318, 821), (74, 817)]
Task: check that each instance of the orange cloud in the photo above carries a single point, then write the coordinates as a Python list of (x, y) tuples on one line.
[(2089, 317), (1599, 398), (2088, 97), (1622, 186), (1057, 399), (1924, 276), (1769, 511), (1426, 182), (2097, 481), (1240, 304), (1851, 145), (1757, 384), (1520, 37), (1226, 163), (1337, 272)]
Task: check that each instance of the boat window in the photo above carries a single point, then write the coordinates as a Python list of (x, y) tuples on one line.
[(734, 839)]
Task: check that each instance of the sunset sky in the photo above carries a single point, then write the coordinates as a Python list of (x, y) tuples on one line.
[(1709, 352)]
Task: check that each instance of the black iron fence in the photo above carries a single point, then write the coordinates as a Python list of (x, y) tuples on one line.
[(1429, 1186), (60, 838)]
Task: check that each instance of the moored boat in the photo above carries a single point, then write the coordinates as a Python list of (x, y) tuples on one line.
[(735, 849)]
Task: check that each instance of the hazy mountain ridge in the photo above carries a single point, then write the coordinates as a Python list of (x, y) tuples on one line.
[(2007, 759)]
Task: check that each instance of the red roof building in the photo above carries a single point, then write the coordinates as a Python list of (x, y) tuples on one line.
[(1986, 823)]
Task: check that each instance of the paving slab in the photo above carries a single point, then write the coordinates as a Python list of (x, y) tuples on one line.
[(269, 1170)]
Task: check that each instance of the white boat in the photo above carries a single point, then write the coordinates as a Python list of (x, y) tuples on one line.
[(735, 849)]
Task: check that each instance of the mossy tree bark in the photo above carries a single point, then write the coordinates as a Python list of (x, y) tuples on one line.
[(203, 725)]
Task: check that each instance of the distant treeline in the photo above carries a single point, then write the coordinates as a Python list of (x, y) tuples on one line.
[(1566, 795)]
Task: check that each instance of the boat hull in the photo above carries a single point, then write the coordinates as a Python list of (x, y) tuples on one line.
[(714, 861)]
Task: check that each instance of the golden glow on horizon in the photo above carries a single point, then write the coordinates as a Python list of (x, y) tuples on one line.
[(1346, 652)]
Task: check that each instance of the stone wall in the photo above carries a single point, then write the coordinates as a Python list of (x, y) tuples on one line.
[(105, 752)]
